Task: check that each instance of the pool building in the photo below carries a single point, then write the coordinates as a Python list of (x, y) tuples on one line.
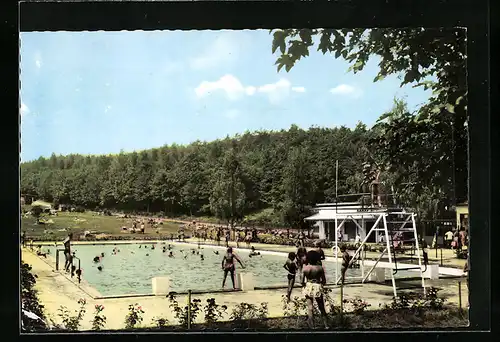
[(360, 220)]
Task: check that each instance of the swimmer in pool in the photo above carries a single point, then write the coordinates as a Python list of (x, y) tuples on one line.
[(147, 254), (253, 252), (99, 268), (153, 247), (169, 247), (97, 259), (202, 257), (102, 255), (193, 251), (140, 246), (170, 255), (229, 267), (216, 252)]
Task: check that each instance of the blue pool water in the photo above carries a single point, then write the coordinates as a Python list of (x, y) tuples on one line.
[(130, 270)]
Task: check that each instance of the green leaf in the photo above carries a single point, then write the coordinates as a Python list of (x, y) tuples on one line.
[(436, 109), (379, 77), (278, 41), (450, 108), (384, 116), (338, 53)]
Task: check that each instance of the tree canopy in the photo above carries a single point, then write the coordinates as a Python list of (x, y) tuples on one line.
[(420, 145)]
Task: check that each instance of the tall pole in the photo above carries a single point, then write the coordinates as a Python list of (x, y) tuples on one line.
[(336, 179), (336, 251)]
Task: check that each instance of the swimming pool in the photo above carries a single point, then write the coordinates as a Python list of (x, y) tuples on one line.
[(130, 270)]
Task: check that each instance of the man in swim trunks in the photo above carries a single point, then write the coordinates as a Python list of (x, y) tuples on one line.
[(313, 281), (291, 267), (229, 267), (67, 252)]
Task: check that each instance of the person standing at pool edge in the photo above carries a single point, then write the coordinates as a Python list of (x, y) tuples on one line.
[(67, 251), (229, 267), (291, 267)]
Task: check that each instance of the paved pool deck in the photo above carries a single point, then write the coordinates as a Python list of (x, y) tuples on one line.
[(56, 289)]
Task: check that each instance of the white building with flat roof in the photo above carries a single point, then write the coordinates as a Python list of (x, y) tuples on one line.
[(352, 218)]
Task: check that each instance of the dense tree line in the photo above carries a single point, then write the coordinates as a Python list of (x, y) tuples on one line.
[(288, 171)]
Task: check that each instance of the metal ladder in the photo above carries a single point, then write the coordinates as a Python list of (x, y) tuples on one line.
[(399, 227)]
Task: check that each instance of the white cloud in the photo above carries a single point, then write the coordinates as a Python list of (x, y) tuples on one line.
[(276, 91), (107, 109), (38, 60), (299, 89), (227, 83), (220, 52), (234, 89), (250, 90), (345, 89), (24, 109)]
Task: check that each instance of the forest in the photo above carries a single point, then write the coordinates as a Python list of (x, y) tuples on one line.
[(282, 173)]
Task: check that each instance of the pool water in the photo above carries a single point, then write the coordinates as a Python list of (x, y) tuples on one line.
[(130, 270)]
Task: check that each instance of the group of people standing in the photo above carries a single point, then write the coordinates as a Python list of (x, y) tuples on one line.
[(309, 265), (220, 234), (456, 238)]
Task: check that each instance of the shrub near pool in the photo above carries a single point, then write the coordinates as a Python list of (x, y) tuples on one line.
[(411, 311)]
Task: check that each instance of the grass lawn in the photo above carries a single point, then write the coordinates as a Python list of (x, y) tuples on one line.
[(77, 223)]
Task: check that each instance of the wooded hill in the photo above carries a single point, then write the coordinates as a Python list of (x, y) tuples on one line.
[(286, 172)]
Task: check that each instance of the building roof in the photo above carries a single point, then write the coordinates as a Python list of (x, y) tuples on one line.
[(330, 215), (330, 211)]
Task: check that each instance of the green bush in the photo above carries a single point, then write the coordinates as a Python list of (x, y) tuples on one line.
[(72, 322), (29, 297), (134, 316), (182, 313)]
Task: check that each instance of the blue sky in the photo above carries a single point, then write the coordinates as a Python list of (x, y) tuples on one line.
[(101, 92)]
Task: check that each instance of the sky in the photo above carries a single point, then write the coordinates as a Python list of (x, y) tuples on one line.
[(102, 92)]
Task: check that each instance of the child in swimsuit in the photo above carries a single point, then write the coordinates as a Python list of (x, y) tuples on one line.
[(291, 267), (346, 258)]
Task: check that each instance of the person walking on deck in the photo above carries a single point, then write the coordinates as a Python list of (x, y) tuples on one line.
[(313, 282)]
